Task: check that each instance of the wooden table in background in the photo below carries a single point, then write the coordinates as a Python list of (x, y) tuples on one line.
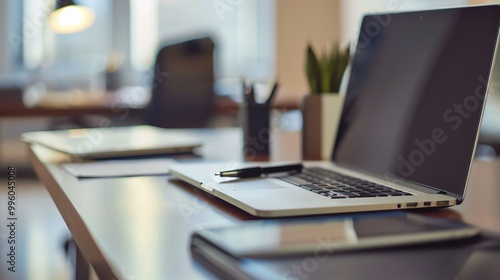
[(126, 101)]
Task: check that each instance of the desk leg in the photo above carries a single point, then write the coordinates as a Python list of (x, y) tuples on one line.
[(81, 267)]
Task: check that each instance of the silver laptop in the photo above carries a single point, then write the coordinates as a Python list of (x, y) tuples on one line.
[(409, 125), (115, 142)]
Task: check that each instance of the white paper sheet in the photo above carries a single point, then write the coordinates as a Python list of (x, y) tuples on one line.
[(119, 168)]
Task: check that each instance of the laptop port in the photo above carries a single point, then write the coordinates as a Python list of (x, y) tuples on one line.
[(442, 203), (412, 204), (427, 203)]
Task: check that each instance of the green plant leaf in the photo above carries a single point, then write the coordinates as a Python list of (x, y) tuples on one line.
[(313, 71), (335, 61), (326, 71), (325, 74)]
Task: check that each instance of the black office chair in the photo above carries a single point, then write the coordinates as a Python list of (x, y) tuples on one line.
[(182, 89), (11, 95)]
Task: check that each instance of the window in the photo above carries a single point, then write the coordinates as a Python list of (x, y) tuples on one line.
[(64, 52), (63, 60), (11, 39), (243, 32)]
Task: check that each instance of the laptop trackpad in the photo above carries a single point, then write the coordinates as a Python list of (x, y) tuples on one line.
[(256, 184)]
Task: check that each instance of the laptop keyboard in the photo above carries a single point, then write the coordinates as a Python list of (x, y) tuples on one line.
[(335, 186)]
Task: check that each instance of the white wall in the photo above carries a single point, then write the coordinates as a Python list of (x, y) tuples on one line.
[(3, 39), (480, 2)]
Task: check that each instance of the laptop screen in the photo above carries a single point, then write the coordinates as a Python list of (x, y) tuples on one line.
[(415, 95)]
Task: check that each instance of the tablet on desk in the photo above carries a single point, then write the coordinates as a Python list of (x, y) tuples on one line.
[(277, 238), (115, 142), (361, 246)]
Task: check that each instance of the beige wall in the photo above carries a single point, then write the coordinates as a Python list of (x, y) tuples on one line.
[(299, 22), (479, 2)]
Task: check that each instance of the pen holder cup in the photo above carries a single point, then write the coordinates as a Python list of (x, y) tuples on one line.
[(256, 131)]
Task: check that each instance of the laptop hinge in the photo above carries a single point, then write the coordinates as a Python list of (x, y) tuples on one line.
[(431, 190)]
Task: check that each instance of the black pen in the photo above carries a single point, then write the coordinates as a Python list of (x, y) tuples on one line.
[(246, 93), (250, 95), (259, 171)]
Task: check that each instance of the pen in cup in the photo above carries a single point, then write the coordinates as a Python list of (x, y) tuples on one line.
[(272, 93)]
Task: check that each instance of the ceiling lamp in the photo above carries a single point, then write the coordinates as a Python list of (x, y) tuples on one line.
[(69, 17)]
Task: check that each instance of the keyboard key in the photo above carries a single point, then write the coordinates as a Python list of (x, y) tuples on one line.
[(296, 181), (321, 185), (374, 193), (366, 195), (359, 193), (311, 187), (321, 191), (336, 196), (348, 194)]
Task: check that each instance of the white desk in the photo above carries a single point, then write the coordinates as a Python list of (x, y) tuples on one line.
[(139, 227)]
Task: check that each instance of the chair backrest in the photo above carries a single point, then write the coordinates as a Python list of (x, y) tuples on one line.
[(182, 89), (11, 94)]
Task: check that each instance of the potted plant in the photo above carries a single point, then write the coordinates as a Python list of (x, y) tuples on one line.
[(321, 108)]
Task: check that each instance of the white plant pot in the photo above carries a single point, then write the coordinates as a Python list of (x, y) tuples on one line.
[(321, 114)]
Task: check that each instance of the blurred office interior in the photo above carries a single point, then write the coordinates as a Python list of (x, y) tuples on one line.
[(107, 73)]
